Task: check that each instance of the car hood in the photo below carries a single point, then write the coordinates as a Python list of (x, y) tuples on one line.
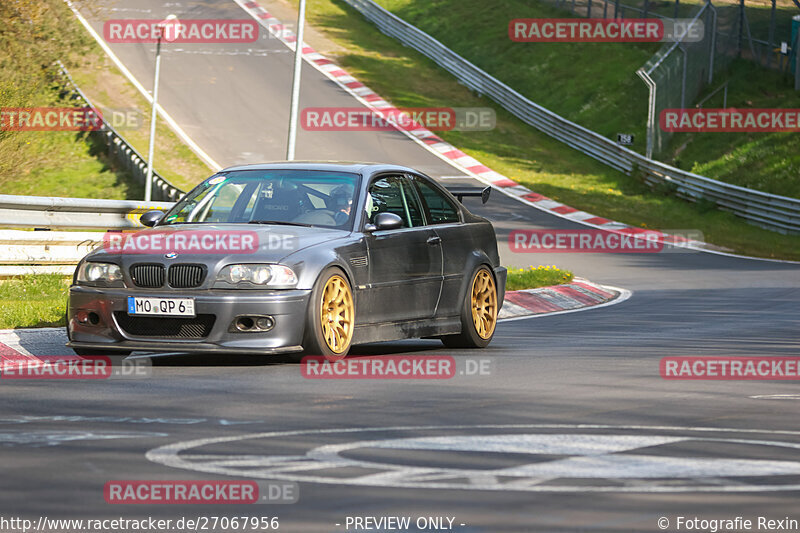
[(246, 242)]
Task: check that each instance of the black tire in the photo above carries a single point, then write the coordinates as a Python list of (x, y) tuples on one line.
[(314, 341), (470, 337)]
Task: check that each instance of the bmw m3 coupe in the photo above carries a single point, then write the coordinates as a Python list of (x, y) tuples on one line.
[(294, 257)]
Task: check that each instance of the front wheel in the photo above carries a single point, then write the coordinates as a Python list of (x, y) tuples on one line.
[(330, 320), (478, 313)]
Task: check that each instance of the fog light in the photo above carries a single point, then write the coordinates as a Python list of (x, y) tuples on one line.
[(265, 323), (252, 324), (94, 318)]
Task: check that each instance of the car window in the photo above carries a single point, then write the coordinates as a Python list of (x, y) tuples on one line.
[(312, 197), (440, 207), (393, 195)]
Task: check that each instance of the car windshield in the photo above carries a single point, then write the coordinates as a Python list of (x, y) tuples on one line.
[(293, 197)]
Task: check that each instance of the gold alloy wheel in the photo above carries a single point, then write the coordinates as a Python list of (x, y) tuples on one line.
[(337, 314), (484, 304)]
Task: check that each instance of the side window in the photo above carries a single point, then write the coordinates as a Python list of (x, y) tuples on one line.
[(441, 208), (393, 195)]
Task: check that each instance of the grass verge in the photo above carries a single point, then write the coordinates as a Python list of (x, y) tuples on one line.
[(35, 34), (516, 150), (33, 301), (533, 277), (52, 163), (595, 85)]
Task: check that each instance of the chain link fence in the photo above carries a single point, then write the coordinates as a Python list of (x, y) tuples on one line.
[(680, 72)]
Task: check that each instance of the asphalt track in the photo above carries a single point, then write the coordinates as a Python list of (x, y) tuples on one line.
[(573, 430)]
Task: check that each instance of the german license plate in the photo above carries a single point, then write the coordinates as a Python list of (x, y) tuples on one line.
[(161, 306)]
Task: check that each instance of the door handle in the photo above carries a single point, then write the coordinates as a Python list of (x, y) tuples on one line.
[(434, 240)]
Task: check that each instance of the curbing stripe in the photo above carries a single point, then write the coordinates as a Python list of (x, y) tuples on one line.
[(576, 296)]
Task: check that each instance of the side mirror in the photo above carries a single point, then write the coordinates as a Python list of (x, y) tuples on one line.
[(151, 218), (385, 221)]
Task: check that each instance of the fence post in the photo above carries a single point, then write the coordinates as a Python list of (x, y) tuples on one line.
[(651, 110), (683, 74), (713, 50), (771, 37), (741, 28), (797, 63)]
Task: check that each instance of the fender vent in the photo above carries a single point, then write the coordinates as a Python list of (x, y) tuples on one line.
[(359, 261)]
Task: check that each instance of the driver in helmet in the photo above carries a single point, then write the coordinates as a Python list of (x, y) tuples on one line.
[(342, 203)]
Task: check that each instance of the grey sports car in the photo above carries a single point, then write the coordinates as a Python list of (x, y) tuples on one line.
[(294, 257)]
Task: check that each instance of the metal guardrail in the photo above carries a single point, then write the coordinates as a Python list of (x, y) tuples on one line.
[(73, 213), (47, 247), (778, 213), (121, 150), (44, 252)]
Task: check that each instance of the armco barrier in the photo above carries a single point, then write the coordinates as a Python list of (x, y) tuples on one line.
[(73, 213), (57, 252), (778, 213), (44, 252)]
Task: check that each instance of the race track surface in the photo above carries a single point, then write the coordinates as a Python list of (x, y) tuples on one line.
[(571, 429)]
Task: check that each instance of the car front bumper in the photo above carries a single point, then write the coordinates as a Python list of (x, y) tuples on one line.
[(109, 320)]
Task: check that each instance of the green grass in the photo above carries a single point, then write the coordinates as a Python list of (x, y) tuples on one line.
[(33, 301), (35, 34), (765, 161), (533, 277), (593, 84), (46, 162), (516, 150)]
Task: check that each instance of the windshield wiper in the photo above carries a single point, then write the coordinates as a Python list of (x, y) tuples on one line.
[(280, 223)]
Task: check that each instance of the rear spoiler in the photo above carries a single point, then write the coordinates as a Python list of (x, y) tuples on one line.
[(461, 192)]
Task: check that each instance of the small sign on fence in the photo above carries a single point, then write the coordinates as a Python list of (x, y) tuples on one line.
[(625, 139)]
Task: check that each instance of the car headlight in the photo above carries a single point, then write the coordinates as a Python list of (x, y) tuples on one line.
[(106, 274), (259, 275)]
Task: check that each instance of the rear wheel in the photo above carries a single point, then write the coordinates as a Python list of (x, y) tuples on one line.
[(330, 320), (478, 313)]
